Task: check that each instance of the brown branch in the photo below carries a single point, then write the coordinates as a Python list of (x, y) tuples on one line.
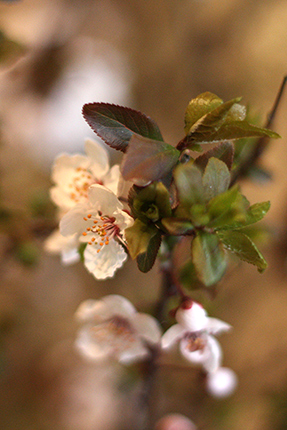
[(261, 143)]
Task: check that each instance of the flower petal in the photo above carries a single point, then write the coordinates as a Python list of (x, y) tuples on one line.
[(209, 357), (147, 327), (98, 156), (123, 220), (217, 326), (111, 179), (174, 333), (95, 311), (73, 221), (104, 200), (136, 352), (222, 383), (119, 305), (66, 246), (60, 198), (194, 319), (98, 311), (103, 264), (214, 359), (89, 348), (63, 169)]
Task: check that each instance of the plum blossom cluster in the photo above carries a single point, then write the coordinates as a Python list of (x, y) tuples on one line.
[(111, 328), (175, 203), (195, 333), (90, 214)]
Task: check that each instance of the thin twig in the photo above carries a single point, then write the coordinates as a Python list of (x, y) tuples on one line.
[(261, 143), (168, 288)]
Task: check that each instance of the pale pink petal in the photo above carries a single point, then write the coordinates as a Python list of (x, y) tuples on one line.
[(136, 352), (111, 179), (194, 319), (103, 264), (70, 257), (123, 187), (67, 247), (90, 349), (214, 359), (103, 199), (64, 168), (209, 357), (95, 311), (173, 334), (98, 156), (61, 198), (73, 221), (55, 243), (118, 305), (147, 327), (222, 383), (64, 174), (123, 220), (217, 326)]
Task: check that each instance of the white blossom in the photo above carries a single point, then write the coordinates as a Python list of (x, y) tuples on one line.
[(67, 247), (112, 328), (74, 174), (100, 222), (221, 383), (195, 333)]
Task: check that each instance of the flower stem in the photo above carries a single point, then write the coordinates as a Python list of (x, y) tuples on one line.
[(169, 287)]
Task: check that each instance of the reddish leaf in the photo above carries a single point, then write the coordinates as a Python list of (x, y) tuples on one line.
[(148, 160), (117, 124), (224, 152)]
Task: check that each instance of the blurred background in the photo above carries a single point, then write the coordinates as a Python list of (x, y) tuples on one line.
[(153, 56)]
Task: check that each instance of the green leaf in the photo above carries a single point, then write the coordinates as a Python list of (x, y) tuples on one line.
[(117, 124), (138, 237), (208, 258), (150, 203), (188, 180), (210, 123), (198, 107), (177, 226), (241, 245), (224, 152), (147, 259), (187, 276), (148, 160), (259, 174), (253, 214), (216, 178), (199, 215), (227, 208), (237, 130)]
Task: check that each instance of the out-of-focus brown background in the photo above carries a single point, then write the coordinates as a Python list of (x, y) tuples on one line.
[(153, 56)]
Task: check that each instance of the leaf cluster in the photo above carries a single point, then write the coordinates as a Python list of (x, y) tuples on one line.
[(176, 196)]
